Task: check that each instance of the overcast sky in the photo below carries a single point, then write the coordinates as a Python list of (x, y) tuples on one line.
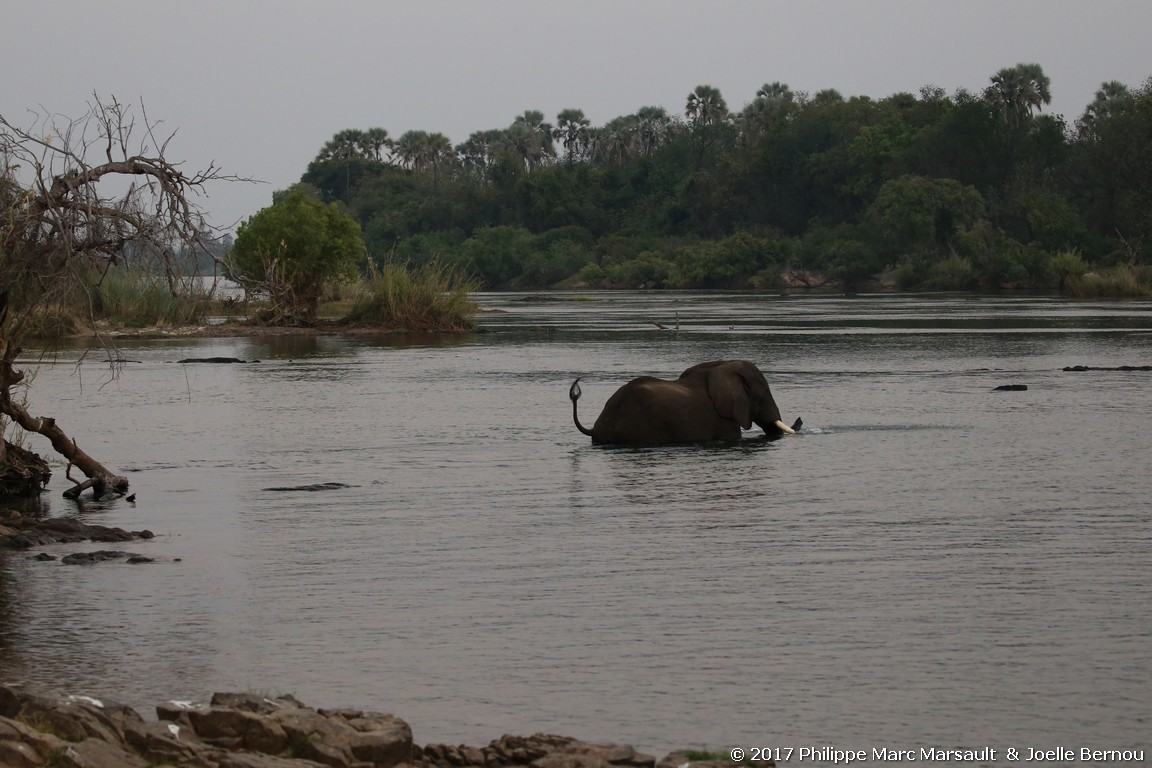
[(259, 87)]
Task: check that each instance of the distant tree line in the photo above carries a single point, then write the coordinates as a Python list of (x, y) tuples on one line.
[(930, 190)]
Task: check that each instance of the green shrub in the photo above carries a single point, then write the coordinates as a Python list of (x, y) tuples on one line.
[(497, 254), (952, 273), (592, 274), (649, 269), (1065, 267), (424, 247), (547, 266), (292, 249), (729, 262)]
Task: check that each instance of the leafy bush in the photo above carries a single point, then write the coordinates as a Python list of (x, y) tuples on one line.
[(1065, 267), (592, 274), (558, 261), (497, 254), (727, 262), (650, 269), (425, 247), (952, 273), (293, 248), (915, 211)]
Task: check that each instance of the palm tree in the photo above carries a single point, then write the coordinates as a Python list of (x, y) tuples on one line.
[(534, 119), (776, 91), (706, 111), (437, 151), (533, 137), (375, 141), (344, 145), (828, 96), (615, 142), (530, 138), (572, 129), (479, 152), (705, 106), (1018, 90), (410, 149), (652, 128), (773, 105), (1111, 99)]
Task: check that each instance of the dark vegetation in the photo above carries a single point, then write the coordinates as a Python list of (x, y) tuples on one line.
[(927, 192)]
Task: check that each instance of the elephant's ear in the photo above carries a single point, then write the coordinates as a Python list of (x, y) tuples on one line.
[(729, 396)]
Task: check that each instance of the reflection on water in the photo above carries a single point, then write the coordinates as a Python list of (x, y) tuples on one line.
[(928, 562)]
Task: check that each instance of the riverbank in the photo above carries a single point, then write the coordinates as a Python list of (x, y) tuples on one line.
[(242, 730), (228, 329)]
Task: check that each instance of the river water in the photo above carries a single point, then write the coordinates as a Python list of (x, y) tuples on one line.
[(928, 563)]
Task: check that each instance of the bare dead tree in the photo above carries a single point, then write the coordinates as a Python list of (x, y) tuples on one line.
[(77, 197)]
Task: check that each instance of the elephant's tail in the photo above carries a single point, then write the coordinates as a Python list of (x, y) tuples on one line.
[(574, 395)]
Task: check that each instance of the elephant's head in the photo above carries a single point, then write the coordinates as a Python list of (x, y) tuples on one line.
[(739, 391)]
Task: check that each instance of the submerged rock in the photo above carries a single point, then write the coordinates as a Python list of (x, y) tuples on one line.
[(1082, 368), (215, 360), (311, 487), (23, 532)]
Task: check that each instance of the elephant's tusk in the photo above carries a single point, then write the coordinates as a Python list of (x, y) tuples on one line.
[(784, 427)]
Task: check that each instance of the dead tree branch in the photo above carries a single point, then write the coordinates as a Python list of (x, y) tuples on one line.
[(66, 219)]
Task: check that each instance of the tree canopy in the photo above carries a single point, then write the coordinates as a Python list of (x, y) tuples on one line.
[(829, 184)]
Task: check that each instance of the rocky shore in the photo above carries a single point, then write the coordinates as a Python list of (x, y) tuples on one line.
[(237, 730), (241, 730)]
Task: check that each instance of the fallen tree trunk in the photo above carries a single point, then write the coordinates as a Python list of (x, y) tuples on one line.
[(99, 478)]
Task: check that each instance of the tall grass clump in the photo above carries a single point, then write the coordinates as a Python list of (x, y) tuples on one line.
[(431, 297), (1066, 267), (1120, 281), (137, 300)]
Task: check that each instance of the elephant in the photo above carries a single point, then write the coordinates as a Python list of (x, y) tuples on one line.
[(709, 402)]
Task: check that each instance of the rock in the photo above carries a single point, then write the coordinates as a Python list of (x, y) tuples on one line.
[(21, 745), (540, 750), (1081, 368), (311, 487), (239, 730), (216, 360), (283, 726), (1011, 388), (22, 532), (88, 558), (236, 729)]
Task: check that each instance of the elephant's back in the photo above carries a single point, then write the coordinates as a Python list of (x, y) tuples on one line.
[(647, 410)]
